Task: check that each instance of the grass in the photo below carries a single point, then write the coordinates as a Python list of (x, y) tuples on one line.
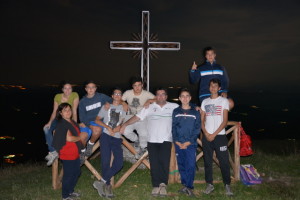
[(281, 180)]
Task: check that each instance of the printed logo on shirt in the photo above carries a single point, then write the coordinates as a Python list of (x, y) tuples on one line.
[(211, 72), (212, 110), (223, 148), (185, 115), (93, 106)]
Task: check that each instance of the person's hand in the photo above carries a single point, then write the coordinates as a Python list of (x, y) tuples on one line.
[(125, 106), (198, 108), (146, 105), (179, 144), (210, 137), (47, 125), (194, 66), (117, 129), (106, 106), (122, 129), (186, 144), (224, 94), (111, 132), (82, 125)]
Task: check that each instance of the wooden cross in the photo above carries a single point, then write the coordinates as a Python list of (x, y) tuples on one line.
[(145, 46)]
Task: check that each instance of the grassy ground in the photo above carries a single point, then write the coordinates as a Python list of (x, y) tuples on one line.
[(280, 171)]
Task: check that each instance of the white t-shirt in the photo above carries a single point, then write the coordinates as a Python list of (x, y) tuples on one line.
[(213, 109), (136, 102), (159, 121)]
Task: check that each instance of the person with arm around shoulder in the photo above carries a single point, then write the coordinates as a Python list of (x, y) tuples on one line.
[(159, 125), (137, 98), (214, 118)]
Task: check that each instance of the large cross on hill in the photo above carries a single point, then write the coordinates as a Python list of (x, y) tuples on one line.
[(145, 46)]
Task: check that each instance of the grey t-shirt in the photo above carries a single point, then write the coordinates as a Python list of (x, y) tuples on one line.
[(112, 117)]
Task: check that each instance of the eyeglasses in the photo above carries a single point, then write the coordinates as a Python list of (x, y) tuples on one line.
[(118, 94)]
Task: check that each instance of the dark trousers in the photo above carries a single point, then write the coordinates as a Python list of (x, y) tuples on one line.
[(186, 160), (71, 173), (110, 145), (219, 144), (159, 157)]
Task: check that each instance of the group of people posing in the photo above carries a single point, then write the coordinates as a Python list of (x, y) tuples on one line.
[(147, 120)]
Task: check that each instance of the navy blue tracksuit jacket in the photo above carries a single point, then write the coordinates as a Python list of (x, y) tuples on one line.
[(205, 73)]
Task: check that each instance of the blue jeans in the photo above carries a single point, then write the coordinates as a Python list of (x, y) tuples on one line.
[(71, 173), (110, 145), (186, 160), (49, 135)]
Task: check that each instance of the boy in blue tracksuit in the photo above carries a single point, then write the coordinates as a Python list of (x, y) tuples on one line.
[(207, 71), (185, 131)]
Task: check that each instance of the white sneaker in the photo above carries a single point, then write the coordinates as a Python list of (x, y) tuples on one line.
[(228, 190), (52, 156), (155, 191), (163, 190), (209, 189)]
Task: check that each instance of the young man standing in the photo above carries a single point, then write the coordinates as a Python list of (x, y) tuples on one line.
[(214, 118), (185, 130), (89, 107), (209, 70), (137, 98), (110, 142), (159, 125)]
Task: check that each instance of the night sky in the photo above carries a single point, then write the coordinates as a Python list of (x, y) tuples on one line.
[(44, 42)]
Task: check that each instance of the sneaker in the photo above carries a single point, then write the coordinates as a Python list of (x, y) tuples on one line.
[(155, 191), (209, 189), (163, 190), (183, 190), (82, 158), (89, 149), (75, 195), (100, 187), (190, 192), (53, 155), (48, 156), (228, 190), (68, 198), (108, 191)]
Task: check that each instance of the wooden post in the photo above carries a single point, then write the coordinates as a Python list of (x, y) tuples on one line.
[(173, 172), (92, 169), (236, 153), (132, 168), (132, 150), (56, 181)]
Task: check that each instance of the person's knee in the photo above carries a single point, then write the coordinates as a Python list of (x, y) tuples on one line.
[(96, 129)]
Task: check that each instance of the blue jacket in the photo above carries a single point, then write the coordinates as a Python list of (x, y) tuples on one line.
[(205, 73), (186, 125)]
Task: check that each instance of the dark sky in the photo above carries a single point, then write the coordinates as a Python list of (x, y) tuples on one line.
[(44, 42)]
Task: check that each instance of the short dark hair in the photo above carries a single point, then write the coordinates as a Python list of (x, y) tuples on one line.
[(161, 88), (60, 108), (206, 49), (88, 82), (135, 79), (116, 88), (215, 80), (184, 90)]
